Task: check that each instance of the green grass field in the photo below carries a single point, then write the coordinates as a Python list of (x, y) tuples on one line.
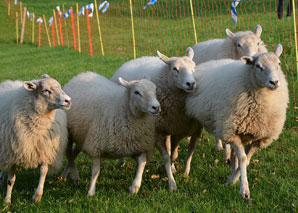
[(273, 173)]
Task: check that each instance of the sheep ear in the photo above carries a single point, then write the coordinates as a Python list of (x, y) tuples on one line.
[(190, 53), (278, 50), (124, 82), (247, 60), (258, 30), (45, 76), (147, 77), (230, 34), (29, 85), (163, 57)]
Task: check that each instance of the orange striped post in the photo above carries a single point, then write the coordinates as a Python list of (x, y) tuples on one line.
[(73, 30), (60, 27), (53, 34), (89, 32), (39, 33), (17, 27)]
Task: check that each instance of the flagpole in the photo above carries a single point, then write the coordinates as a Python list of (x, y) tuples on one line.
[(45, 24), (98, 27)]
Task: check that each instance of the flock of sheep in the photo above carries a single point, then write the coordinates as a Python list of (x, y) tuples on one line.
[(233, 87)]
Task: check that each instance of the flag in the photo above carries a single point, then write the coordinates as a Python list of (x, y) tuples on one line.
[(30, 15), (151, 2), (66, 14), (59, 12), (90, 7), (15, 1), (102, 4), (39, 20), (81, 11), (233, 10), (51, 21)]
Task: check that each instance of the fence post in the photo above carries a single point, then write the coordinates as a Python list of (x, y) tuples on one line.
[(60, 26), (23, 25), (45, 24), (295, 32), (56, 28), (73, 29), (32, 29), (193, 21), (65, 27), (98, 26), (89, 32), (17, 27), (8, 8), (133, 31), (78, 25), (21, 12)]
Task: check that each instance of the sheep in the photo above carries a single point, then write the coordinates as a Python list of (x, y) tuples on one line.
[(33, 128), (111, 121), (174, 80), (243, 103)]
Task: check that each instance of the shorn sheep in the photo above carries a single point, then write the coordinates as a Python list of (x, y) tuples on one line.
[(108, 120), (243, 103), (174, 81), (33, 128)]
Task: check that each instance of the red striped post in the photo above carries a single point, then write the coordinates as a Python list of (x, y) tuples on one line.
[(53, 34), (39, 33), (89, 32), (73, 30), (60, 27)]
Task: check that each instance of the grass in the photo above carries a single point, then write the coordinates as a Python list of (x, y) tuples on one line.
[(273, 174)]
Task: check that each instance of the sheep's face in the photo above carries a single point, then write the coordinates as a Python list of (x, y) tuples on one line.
[(182, 69), (266, 68), (142, 96), (247, 43), (48, 92)]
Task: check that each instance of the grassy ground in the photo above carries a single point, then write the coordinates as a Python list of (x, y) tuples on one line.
[(273, 174)]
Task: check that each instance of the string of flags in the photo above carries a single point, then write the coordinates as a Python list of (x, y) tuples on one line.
[(30, 15), (90, 7), (81, 11), (233, 10), (104, 6), (67, 13), (39, 20), (51, 21), (151, 2)]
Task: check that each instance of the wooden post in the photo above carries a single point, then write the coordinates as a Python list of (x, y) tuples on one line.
[(73, 29), (60, 27), (89, 32), (193, 21), (8, 8), (65, 27), (45, 25), (56, 27), (39, 32), (23, 25), (17, 27), (21, 12), (78, 26), (53, 34), (98, 27), (133, 31), (32, 29)]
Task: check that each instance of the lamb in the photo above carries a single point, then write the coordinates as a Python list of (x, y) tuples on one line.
[(111, 121), (33, 128), (174, 80), (243, 103)]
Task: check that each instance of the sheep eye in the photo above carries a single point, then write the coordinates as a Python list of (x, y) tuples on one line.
[(175, 69), (137, 93), (279, 63), (258, 43), (47, 91), (239, 45), (259, 67)]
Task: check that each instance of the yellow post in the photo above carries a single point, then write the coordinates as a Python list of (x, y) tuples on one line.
[(295, 31), (21, 12), (45, 24), (17, 27), (32, 29), (133, 31), (65, 26), (8, 8), (23, 25), (98, 26), (78, 23), (193, 21), (56, 27)]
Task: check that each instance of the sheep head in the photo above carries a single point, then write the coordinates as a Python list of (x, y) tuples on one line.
[(142, 96), (48, 94), (247, 43), (181, 69), (266, 68)]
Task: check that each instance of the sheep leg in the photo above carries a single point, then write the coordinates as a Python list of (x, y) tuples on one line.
[(191, 149), (69, 156), (73, 167), (95, 173), (235, 169), (174, 151), (218, 146), (136, 184), (10, 182), (227, 153), (39, 191), (2, 176), (160, 145)]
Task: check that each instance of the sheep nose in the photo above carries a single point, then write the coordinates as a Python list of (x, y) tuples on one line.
[(67, 101), (274, 83), (156, 108), (191, 86)]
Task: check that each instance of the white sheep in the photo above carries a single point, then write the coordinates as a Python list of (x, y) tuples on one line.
[(108, 120), (243, 103), (33, 128), (174, 80)]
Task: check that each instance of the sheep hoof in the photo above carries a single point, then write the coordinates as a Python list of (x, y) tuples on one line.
[(37, 198), (173, 169), (245, 195), (90, 194), (173, 188), (134, 189), (161, 169), (76, 181), (218, 149), (7, 201), (185, 174), (227, 161)]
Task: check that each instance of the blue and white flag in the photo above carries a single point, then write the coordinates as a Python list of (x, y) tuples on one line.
[(15, 1), (233, 10), (151, 2), (51, 21), (102, 4), (30, 15), (90, 7), (59, 11), (67, 14), (39, 20), (81, 11)]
